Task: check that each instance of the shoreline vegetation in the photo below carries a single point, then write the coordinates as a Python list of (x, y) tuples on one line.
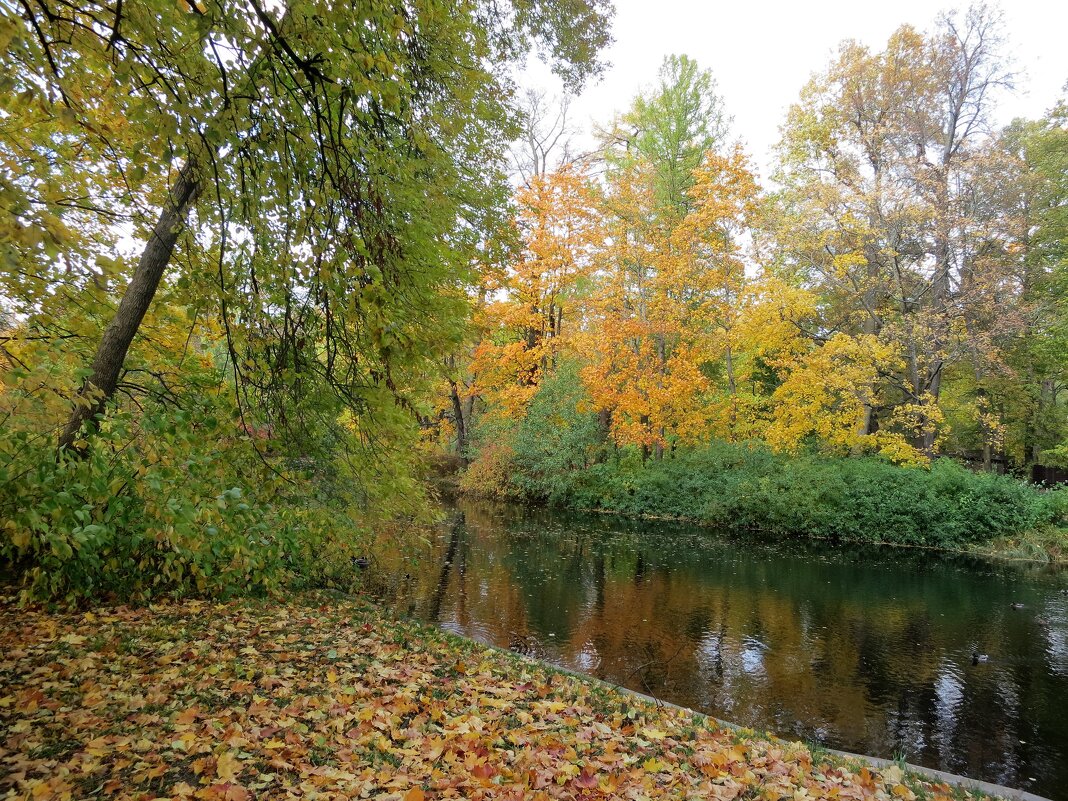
[(749, 488), (325, 696), (1048, 546)]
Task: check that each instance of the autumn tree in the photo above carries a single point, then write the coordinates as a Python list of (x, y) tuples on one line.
[(885, 211), (666, 305), (540, 293), (673, 208), (542, 148)]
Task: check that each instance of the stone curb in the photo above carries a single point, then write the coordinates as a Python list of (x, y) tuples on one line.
[(949, 778), (963, 782)]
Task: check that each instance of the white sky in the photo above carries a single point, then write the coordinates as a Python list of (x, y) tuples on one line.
[(762, 52)]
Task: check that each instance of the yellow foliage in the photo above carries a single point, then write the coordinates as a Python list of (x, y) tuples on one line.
[(827, 391), (667, 304)]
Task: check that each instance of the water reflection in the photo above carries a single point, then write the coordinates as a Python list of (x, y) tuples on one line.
[(866, 650)]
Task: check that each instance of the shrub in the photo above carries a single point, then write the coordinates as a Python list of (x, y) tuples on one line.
[(489, 475), (555, 440), (169, 505), (858, 498)]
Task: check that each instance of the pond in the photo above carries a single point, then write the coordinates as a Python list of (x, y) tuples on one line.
[(954, 663)]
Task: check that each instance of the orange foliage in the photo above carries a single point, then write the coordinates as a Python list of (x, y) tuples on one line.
[(667, 303), (528, 322)]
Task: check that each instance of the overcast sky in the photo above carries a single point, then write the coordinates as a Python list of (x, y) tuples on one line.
[(763, 52)]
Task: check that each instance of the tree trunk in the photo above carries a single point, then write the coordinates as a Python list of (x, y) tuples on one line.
[(872, 327), (119, 333), (446, 567), (469, 411), (461, 429), (934, 387), (100, 386), (604, 433), (732, 385)]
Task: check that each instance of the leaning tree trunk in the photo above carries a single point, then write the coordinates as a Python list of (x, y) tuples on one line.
[(115, 343), (100, 385)]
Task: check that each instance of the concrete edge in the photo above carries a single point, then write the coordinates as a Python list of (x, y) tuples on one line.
[(949, 778), (965, 783)]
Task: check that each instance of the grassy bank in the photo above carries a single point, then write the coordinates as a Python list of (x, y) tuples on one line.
[(328, 698), (1046, 544), (856, 499)]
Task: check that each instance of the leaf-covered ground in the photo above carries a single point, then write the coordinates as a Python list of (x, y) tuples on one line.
[(327, 698)]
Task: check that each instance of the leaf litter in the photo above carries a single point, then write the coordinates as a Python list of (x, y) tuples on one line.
[(328, 698)]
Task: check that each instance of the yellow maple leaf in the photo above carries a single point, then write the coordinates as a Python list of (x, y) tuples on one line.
[(228, 766), (654, 765)]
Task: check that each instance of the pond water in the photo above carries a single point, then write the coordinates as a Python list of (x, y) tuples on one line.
[(870, 650)]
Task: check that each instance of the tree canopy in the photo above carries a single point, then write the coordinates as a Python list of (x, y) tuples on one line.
[(261, 265), (289, 199), (895, 290)]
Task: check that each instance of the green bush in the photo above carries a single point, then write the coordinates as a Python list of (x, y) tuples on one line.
[(555, 440), (857, 499), (174, 503)]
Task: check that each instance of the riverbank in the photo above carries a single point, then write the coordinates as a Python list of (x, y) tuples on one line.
[(747, 487), (1047, 545), (327, 697)]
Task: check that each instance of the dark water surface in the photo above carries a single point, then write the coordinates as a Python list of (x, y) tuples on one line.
[(867, 650)]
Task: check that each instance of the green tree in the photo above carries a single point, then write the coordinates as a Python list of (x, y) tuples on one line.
[(293, 196), (671, 127), (1034, 393), (559, 437), (342, 159)]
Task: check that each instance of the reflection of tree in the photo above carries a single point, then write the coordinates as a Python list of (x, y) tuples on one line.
[(550, 569), (639, 569), (434, 610), (868, 649), (599, 580)]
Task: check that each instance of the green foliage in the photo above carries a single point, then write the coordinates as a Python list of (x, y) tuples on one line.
[(163, 506), (854, 499), (1035, 406), (180, 491), (175, 495), (342, 168), (672, 127), (540, 455), (555, 439)]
